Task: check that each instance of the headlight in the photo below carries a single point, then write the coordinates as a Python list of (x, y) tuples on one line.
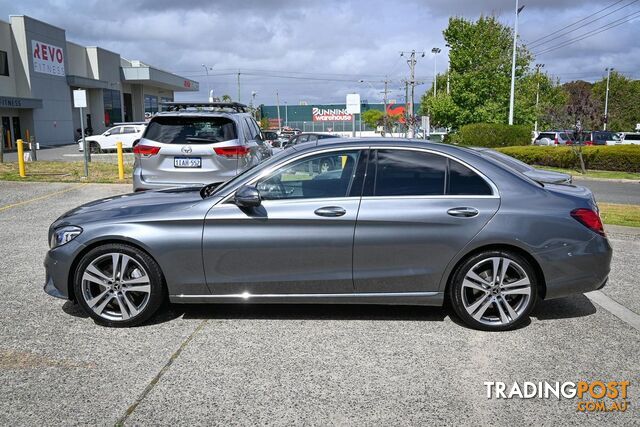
[(63, 235)]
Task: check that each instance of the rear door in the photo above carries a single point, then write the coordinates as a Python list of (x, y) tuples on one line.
[(108, 142), (129, 134), (418, 210), (299, 241), (193, 150)]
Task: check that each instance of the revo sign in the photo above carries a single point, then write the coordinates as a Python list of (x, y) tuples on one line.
[(47, 58)]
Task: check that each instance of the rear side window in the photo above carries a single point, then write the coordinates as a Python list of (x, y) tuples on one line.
[(409, 173), (192, 130), (465, 182), (632, 137)]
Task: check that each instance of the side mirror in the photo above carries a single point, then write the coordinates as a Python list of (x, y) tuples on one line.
[(247, 197), (107, 133)]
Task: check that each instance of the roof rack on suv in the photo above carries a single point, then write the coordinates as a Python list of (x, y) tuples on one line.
[(220, 106)]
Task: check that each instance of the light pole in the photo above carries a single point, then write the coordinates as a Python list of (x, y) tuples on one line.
[(448, 65), (253, 102), (435, 51), (606, 99), (513, 64), (286, 114), (538, 66), (209, 91)]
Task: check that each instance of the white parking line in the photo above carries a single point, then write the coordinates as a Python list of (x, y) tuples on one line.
[(615, 308)]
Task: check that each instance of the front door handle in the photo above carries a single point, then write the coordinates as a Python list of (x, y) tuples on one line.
[(465, 212), (331, 211)]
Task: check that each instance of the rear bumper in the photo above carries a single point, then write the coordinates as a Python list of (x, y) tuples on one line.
[(140, 184), (576, 268)]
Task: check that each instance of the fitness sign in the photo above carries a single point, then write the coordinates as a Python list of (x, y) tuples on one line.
[(47, 58)]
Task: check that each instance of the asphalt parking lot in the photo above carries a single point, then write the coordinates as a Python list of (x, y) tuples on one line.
[(292, 364)]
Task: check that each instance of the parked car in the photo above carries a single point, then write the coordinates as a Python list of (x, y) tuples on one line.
[(539, 175), (403, 222), (630, 138), (301, 138), (558, 137), (599, 137), (127, 133), (192, 147)]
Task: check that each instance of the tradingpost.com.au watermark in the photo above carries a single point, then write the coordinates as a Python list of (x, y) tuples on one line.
[(592, 396)]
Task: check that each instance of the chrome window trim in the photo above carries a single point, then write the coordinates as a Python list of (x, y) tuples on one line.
[(494, 189), (495, 194)]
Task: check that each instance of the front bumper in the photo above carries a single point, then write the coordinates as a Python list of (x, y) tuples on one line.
[(58, 268)]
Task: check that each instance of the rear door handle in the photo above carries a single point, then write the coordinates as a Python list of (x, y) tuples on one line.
[(331, 211), (465, 212)]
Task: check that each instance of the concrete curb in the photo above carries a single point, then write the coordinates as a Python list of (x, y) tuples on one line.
[(621, 180)]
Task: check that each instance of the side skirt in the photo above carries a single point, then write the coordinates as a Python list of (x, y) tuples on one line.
[(396, 298)]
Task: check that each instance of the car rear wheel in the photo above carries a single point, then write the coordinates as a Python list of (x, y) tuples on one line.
[(494, 291), (119, 285)]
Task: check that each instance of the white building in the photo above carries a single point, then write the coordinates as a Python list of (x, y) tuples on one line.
[(39, 69)]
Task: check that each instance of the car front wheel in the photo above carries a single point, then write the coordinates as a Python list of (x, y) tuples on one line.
[(494, 291), (119, 285)]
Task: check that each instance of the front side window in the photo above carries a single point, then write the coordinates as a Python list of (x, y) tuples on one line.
[(326, 175), (409, 173), (192, 130)]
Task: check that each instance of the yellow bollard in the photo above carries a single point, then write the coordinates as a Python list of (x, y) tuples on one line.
[(21, 158), (120, 161)]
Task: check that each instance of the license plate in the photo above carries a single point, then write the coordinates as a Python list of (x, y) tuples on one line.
[(187, 162)]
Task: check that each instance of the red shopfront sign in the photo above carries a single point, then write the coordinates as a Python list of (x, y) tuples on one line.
[(47, 58)]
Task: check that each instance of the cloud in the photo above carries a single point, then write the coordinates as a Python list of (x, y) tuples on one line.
[(338, 43)]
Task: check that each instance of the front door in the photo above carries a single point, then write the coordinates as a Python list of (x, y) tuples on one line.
[(418, 210), (299, 241)]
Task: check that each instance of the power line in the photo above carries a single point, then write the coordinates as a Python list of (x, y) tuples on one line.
[(586, 35), (573, 24), (569, 31)]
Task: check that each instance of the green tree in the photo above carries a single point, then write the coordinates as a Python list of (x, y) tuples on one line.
[(226, 98), (623, 109), (264, 123), (373, 118), (480, 78)]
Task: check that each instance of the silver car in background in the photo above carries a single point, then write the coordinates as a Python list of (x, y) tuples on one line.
[(553, 138), (195, 144)]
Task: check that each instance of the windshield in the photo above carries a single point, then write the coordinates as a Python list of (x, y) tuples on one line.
[(241, 176), (180, 130)]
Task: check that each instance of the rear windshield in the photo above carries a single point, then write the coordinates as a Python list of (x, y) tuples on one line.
[(604, 136), (193, 130), (507, 160), (547, 135)]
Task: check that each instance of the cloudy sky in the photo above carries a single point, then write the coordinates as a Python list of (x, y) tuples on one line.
[(319, 51)]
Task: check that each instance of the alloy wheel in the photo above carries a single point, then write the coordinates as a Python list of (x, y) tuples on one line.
[(116, 286), (496, 291)]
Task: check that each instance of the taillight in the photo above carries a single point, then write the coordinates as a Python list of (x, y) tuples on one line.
[(146, 150), (555, 141), (588, 143), (589, 219), (231, 152)]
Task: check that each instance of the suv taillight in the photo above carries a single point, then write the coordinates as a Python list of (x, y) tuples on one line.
[(589, 218), (555, 141), (146, 150), (232, 152), (588, 143)]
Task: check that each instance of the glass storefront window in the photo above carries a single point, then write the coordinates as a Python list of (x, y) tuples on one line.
[(150, 104), (112, 107)]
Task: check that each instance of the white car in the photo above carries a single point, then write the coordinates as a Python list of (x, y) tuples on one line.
[(630, 138), (127, 133)]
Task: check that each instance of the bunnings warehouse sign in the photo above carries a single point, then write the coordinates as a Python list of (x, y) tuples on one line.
[(330, 115)]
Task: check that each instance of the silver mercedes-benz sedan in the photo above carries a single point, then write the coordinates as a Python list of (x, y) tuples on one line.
[(392, 222)]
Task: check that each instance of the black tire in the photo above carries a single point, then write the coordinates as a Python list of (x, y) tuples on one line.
[(94, 147), (459, 294), (157, 288)]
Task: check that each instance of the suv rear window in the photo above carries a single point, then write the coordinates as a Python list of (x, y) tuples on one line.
[(547, 135), (193, 130)]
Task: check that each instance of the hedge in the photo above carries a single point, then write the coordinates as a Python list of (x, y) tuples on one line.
[(492, 135), (624, 158)]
